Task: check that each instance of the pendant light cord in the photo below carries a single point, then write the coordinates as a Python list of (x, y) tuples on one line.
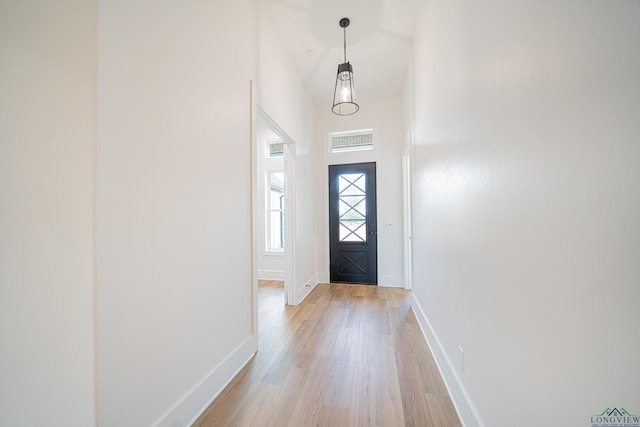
[(345, 44)]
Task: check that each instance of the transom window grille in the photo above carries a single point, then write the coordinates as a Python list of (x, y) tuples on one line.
[(275, 148), (351, 141), (352, 207), (275, 211)]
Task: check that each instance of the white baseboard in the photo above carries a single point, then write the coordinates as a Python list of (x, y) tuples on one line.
[(464, 407), (193, 404), (304, 290), (323, 277), (391, 281), (270, 275)]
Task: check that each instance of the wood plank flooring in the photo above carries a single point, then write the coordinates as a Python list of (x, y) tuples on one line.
[(347, 356)]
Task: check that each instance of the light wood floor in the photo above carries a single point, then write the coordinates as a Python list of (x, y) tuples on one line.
[(347, 356)]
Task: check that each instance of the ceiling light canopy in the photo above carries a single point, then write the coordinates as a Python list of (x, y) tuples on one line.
[(344, 95)]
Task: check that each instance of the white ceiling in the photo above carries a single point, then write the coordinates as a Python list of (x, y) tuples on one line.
[(379, 42)]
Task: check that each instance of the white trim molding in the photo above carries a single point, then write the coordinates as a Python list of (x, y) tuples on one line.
[(204, 392), (270, 274), (464, 407), (305, 288)]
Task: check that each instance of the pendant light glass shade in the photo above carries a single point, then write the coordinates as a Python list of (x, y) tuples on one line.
[(344, 94)]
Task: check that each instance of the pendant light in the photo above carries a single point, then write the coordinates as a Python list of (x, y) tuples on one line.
[(344, 95)]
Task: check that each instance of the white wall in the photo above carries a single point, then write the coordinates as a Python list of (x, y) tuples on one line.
[(385, 116), (526, 205), (169, 208), (47, 137), (283, 97), (174, 287)]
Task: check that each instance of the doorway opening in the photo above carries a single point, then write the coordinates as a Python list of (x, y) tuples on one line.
[(353, 240), (274, 216)]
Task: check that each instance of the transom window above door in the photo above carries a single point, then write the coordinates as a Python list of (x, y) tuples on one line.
[(353, 140)]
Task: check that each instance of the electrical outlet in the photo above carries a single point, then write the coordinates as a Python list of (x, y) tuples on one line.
[(461, 357)]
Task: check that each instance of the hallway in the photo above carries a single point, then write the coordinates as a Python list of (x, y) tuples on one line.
[(347, 356)]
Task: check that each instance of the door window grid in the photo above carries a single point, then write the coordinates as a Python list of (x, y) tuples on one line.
[(352, 206)]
